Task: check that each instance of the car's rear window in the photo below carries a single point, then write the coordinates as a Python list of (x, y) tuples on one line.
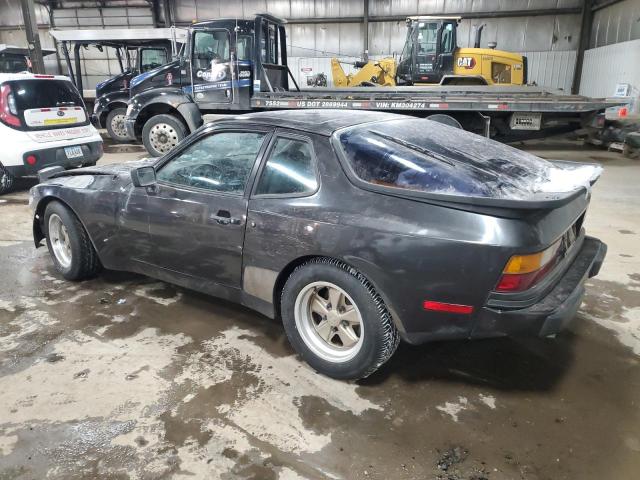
[(44, 93), (425, 156)]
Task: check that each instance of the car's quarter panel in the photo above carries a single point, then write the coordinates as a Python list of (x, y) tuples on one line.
[(410, 250)]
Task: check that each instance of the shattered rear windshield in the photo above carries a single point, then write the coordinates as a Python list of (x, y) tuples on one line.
[(426, 156)]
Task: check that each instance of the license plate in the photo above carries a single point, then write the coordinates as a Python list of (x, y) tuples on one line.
[(73, 152), (60, 121)]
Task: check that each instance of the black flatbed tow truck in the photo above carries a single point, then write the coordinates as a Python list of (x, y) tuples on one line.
[(234, 66)]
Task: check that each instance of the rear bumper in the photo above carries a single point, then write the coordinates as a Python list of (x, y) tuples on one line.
[(552, 313), (50, 157), (547, 315)]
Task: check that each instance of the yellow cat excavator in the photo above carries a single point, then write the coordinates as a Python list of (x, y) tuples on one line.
[(431, 56)]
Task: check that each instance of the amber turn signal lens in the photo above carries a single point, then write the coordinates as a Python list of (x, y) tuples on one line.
[(519, 264)]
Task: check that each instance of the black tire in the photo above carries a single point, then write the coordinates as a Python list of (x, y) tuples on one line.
[(115, 136), (175, 133), (84, 259), (380, 338), (6, 180)]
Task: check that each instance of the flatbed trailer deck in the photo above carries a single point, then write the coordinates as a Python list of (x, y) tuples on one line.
[(508, 113), (431, 99)]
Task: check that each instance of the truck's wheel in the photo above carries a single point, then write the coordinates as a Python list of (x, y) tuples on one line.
[(69, 244), (115, 125), (336, 321), (161, 133), (6, 180)]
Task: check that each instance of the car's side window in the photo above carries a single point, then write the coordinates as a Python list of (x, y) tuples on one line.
[(220, 162), (289, 169)]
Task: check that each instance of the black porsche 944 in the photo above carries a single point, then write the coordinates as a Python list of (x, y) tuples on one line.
[(356, 229)]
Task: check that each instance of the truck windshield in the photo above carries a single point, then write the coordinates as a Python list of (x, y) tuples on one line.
[(151, 58), (427, 37), (426, 156)]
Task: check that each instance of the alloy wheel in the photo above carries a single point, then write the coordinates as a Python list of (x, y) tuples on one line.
[(329, 322), (60, 242)]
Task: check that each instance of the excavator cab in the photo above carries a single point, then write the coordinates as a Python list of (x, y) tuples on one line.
[(429, 50)]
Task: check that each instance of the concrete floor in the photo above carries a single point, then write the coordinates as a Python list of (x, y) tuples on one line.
[(126, 377)]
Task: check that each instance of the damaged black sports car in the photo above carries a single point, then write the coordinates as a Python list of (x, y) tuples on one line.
[(357, 229)]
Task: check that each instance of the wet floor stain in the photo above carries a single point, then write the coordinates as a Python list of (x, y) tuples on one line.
[(126, 377)]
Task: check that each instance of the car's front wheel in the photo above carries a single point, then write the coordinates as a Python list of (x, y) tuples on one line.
[(6, 180), (336, 320), (161, 133), (69, 244)]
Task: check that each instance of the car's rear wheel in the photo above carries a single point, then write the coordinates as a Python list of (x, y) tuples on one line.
[(6, 180), (115, 125), (161, 133), (336, 320), (69, 244)]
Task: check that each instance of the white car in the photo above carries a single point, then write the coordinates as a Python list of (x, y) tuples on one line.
[(43, 123)]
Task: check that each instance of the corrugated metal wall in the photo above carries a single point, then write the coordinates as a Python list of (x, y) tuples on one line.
[(544, 33), (617, 23), (549, 41), (604, 67), (12, 29), (616, 57)]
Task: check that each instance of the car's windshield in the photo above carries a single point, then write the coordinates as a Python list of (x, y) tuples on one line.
[(426, 156)]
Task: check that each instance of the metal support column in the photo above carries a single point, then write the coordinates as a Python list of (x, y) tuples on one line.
[(166, 10), (583, 43), (33, 39), (76, 56), (365, 26)]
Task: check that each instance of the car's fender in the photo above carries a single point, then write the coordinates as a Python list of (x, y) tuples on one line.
[(164, 100), (94, 199), (107, 102)]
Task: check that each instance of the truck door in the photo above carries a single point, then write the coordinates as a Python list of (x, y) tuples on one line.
[(424, 53), (211, 68), (446, 49)]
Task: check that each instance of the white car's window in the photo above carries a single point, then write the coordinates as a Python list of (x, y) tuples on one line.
[(220, 162)]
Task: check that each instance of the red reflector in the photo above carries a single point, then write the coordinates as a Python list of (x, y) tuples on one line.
[(31, 159), (45, 109), (447, 307)]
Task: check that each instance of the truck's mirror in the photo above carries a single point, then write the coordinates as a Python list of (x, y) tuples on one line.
[(143, 176)]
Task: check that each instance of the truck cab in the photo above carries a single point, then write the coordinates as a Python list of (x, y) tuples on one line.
[(225, 61)]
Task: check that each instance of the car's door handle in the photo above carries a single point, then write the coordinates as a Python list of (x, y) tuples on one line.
[(223, 217)]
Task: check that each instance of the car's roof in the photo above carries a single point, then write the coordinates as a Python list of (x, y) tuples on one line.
[(320, 121), (4, 77)]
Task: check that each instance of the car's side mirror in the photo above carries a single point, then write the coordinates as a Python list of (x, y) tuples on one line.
[(143, 176)]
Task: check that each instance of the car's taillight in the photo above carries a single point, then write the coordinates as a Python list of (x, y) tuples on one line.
[(8, 110), (524, 271)]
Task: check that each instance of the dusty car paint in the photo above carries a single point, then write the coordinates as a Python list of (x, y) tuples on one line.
[(409, 249)]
